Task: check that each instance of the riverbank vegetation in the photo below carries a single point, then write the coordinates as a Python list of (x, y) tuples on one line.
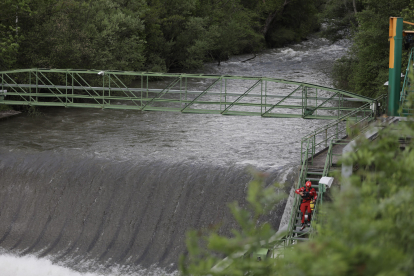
[(147, 35), (364, 69)]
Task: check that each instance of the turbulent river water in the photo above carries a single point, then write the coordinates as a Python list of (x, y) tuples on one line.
[(112, 192)]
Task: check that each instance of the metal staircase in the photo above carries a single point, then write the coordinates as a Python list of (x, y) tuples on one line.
[(314, 175), (320, 153)]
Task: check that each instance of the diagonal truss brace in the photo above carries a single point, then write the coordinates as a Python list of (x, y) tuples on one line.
[(17, 86), (164, 91), (90, 87), (241, 96), (287, 96), (201, 94), (132, 99), (309, 111), (53, 92)]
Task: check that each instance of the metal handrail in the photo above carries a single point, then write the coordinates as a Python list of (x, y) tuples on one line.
[(335, 130), (328, 160), (321, 190), (302, 175), (403, 90), (327, 167), (406, 84)]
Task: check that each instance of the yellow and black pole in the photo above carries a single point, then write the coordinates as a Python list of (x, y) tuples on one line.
[(394, 73)]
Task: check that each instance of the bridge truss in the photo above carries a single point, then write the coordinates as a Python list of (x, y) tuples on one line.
[(186, 93)]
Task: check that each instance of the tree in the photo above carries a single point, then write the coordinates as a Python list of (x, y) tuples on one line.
[(340, 18), (287, 21), (10, 30), (184, 34), (212, 254), (103, 34)]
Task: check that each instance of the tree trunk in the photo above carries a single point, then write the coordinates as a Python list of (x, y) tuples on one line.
[(354, 3), (271, 17)]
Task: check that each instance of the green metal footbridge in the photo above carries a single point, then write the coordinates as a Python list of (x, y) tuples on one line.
[(186, 93)]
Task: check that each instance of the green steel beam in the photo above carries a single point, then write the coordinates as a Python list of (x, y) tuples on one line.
[(132, 99), (132, 90), (37, 79), (149, 74), (4, 83), (347, 109), (87, 91)]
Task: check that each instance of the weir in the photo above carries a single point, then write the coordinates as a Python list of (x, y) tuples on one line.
[(134, 214)]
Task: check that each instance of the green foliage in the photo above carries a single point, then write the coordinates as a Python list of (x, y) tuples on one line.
[(340, 72), (366, 230), (339, 17), (212, 254), (10, 31), (288, 21), (364, 69), (101, 34), (184, 34), (4, 107), (151, 35)]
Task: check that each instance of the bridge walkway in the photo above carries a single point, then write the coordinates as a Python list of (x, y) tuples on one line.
[(319, 159)]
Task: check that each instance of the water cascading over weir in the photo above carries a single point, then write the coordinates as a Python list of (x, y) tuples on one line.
[(130, 213)]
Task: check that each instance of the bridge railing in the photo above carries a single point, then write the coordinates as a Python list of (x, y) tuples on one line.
[(186, 93), (320, 138), (407, 87), (297, 200)]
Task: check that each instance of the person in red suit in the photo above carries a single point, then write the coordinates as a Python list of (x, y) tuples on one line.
[(308, 194)]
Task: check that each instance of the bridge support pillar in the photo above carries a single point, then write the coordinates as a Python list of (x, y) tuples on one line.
[(394, 73)]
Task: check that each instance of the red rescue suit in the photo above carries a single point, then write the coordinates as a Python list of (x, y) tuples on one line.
[(308, 195)]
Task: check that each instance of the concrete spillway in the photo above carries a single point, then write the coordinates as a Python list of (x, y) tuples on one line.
[(121, 213)]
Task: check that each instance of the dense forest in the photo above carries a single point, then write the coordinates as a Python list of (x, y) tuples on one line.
[(165, 35), (149, 35)]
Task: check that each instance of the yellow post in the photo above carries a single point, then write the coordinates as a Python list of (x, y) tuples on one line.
[(394, 72)]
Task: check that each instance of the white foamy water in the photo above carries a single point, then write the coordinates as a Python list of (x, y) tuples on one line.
[(29, 265)]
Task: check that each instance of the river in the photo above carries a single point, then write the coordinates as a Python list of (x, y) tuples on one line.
[(112, 192)]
